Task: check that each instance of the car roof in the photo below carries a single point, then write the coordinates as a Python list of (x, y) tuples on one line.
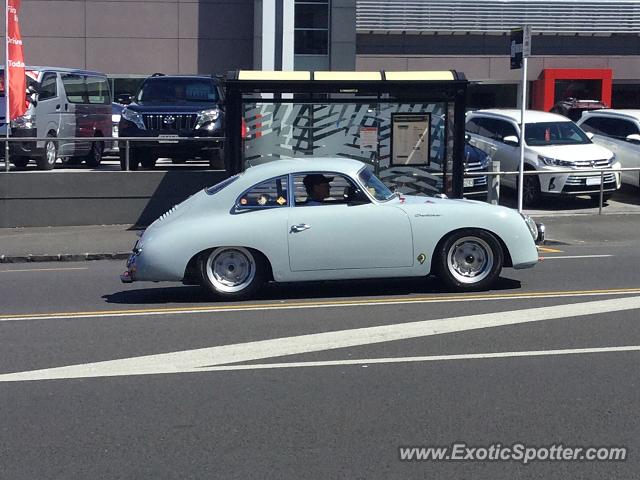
[(299, 165), (618, 112), (530, 116)]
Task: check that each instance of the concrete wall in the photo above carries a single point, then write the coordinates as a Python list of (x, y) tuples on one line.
[(138, 36), (40, 199)]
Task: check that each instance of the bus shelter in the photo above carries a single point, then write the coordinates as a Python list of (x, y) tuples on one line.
[(409, 126)]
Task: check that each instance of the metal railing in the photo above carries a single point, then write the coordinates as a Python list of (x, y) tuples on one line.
[(574, 171), (107, 140)]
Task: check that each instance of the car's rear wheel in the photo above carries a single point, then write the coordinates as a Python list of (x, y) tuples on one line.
[(94, 157), (232, 272), (469, 260), (530, 190), (47, 161)]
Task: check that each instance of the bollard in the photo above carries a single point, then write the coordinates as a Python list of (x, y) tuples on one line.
[(6, 154), (601, 191), (126, 156), (493, 184)]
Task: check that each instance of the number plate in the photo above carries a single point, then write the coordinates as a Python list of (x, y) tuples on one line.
[(593, 180), (167, 138), (467, 182)]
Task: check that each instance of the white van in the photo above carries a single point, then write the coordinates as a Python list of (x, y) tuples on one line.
[(66, 103)]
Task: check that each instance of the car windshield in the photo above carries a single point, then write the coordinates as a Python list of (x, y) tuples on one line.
[(554, 133), (172, 90), (374, 185)]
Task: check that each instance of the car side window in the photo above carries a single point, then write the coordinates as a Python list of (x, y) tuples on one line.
[(592, 125), (505, 129), (48, 86), (620, 128), (472, 126), (486, 127), (268, 194), (312, 188)]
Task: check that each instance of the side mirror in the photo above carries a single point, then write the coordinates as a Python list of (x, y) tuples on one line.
[(511, 140), (589, 134), (633, 138), (124, 99)]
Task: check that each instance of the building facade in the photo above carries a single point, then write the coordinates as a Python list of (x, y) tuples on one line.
[(130, 39)]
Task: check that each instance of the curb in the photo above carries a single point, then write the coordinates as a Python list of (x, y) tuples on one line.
[(63, 257)]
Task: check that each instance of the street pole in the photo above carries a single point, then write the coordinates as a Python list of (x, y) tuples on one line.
[(6, 83), (523, 107)]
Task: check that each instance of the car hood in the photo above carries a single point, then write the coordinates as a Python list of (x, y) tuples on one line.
[(574, 152), (154, 107)]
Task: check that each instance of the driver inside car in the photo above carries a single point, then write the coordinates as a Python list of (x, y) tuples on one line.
[(318, 187)]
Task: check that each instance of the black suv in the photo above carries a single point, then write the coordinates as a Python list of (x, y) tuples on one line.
[(170, 106)]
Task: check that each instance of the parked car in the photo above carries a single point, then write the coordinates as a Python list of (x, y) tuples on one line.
[(116, 113), (66, 103), (167, 107), (552, 143), (572, 108), (268, 224), (619, 131)]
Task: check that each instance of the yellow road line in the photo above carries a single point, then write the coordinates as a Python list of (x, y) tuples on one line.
[(549, 250), (328, 303)]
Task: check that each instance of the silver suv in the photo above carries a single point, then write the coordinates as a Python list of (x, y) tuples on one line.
[(553, 143)]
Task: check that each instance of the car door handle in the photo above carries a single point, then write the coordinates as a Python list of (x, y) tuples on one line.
[(301, 227)]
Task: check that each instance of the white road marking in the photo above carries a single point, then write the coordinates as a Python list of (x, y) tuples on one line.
[(554, 257), (432, 358), (196, 360), (282, 305), (44, 269)]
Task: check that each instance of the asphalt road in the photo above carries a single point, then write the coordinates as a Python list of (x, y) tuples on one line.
[(320, 380)]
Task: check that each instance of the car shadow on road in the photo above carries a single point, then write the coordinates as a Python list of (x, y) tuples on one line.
[(296, 291)]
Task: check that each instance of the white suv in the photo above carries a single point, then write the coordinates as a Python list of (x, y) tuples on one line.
[(619, 131), (552, 143)]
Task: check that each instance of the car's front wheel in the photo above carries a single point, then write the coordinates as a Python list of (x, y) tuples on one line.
[(232, 272), (469, 260)]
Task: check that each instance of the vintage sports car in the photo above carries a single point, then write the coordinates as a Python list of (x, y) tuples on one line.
[(327, 219)]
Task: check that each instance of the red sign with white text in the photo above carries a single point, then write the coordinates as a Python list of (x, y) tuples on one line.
[(17, 84)]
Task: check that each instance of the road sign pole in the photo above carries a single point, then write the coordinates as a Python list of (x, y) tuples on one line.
[(523, 107)]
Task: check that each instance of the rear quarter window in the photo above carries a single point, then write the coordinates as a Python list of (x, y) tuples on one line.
[(223, 184)]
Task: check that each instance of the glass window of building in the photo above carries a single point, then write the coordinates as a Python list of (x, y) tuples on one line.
[(312, 27)]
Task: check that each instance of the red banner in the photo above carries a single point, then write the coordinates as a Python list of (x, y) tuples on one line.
[(16, 85)]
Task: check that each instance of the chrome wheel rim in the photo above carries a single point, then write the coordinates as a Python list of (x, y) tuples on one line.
[(231, 269), (51, 152), (470, 260)]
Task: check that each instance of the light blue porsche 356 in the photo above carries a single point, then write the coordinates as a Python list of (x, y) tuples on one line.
[(327, 219)]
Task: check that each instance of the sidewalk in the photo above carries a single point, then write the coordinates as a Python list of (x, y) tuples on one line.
[(46, 244), (101, 242)]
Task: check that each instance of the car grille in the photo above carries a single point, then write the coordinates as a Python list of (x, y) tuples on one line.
[(169, 121), (601, 163), (476, 167), (582, 180)]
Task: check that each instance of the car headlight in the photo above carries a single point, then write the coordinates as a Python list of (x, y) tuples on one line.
[(612, 159), (533, 228), (555, 162), (207, 116), (25, 121), (133, 117)]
